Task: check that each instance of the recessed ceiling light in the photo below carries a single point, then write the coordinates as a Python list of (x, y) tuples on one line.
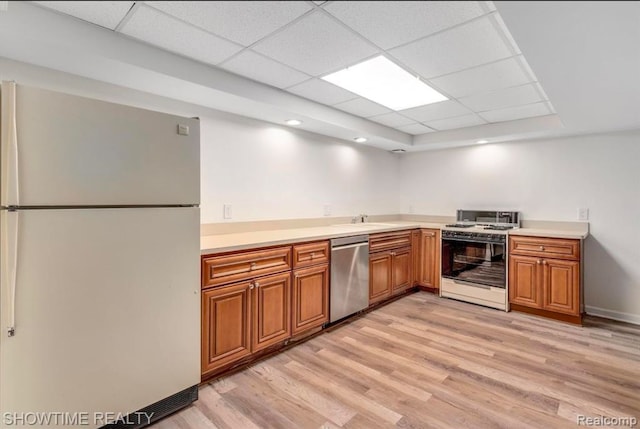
[(293, 122), (398, 150), (360, 139), (384, 82), (482, 141)]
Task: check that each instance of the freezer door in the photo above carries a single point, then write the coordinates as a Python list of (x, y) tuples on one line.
[(82, 152), (107, 310)]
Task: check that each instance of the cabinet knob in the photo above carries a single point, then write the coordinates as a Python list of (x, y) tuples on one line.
[(544, 262), (257, 284), (251, 286), (313, 255), (541, 247), (252, 265), (539, 261)]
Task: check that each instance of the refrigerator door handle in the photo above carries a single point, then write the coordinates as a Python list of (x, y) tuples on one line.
[(9, 195), (9, 256)]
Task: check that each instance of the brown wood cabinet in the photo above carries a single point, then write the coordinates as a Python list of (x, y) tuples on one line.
[(380, 276), (271, 314), (242, 318), (544, 277), (223, 269), (308, 254), (226, 319), (524, 281), (427, 261), (401, 263), (310, 298), (390, 264)]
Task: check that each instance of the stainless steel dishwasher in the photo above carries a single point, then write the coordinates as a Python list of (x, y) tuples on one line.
[(349, 276)]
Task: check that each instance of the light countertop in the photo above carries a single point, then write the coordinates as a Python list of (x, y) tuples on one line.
[(210, 244)]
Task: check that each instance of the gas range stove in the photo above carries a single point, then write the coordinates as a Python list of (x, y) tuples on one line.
[(495, 227)]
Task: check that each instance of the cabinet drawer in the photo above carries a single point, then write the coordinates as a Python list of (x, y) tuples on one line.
[(386, 241), (305, 255), (545, 247), (217, 270)]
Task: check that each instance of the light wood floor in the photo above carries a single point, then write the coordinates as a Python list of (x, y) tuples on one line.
[(426, 362)]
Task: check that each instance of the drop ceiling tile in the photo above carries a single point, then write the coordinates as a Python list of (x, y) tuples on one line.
[(243, 22), (158, 29), (415, 129), (391, 23), (518, 112), (501, 98), (392, 119), (431, 112), (316, 44), (469, 45), (362, 107), (322, 92), (104, 13), (262, 69), (457, 122), (501, 74)]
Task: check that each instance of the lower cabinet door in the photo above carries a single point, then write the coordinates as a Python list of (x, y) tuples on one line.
[(380, 276), (310, 298), (561, 286), (226, 315), (429, 262), (271, 313), (524, 281), (401, 276)]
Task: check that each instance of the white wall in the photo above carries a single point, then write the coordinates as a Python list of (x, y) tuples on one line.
[(549, 180), (263, 170), (269, 172)]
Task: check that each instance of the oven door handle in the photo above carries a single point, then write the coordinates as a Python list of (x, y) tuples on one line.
[(462, 282)]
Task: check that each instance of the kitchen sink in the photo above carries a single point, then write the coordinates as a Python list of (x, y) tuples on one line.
[(366, 224)]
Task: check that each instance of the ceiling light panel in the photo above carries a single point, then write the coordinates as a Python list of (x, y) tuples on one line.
[(431, 112), (469, 45), (266, 70), (362, 107), (391, 23), (244, 22), (384, 82), (316, 44), (457, 122), (392, 120), (502, 98), (498, 75), (158, 29), (322, 92), (103, 13), (519, 112)]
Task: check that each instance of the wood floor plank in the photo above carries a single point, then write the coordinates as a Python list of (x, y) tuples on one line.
[(426, 362)]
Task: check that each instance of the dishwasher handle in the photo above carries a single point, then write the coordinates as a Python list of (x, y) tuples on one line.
[(344, 241), (349, 246)]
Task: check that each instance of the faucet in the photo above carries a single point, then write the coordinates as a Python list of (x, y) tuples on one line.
[(361, 218)]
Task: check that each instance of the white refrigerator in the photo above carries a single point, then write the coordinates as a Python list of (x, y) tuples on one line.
[(99, 260)]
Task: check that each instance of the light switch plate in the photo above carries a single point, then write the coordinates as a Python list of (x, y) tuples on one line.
[(583, 213), (227, 211), (327, 210)]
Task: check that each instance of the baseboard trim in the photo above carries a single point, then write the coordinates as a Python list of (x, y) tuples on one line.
[(614, 315)]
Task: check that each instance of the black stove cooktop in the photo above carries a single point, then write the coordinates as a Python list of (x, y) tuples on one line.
[(460, 225), (499, 227)]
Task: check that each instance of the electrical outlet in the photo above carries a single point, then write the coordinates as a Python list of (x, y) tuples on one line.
[(583, 213), (327, 210), (227, 211)]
